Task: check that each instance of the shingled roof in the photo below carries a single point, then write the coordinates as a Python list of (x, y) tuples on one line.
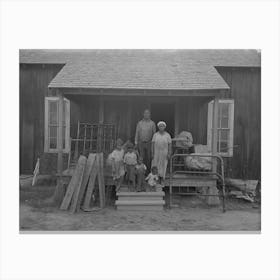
[(141, 69)]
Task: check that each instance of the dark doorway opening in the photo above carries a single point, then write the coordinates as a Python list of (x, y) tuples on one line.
[(162, 111)]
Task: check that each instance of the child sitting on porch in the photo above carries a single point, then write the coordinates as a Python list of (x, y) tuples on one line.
[(130, 161), (140, 174), (153, 179), (116, 160)]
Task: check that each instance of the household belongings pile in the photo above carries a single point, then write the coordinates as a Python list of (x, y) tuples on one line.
[(243, 189), (185, 141), (82, 185)]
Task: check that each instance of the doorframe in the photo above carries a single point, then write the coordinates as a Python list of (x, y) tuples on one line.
[(167, 100)]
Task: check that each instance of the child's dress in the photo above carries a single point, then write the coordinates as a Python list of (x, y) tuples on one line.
[(140, 173), (152, 179), (116, 159), (130, 160)]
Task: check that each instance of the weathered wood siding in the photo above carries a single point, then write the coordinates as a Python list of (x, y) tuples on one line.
[(245, 89), (34, 80), (125, 112), (83, 108), (193, 117)]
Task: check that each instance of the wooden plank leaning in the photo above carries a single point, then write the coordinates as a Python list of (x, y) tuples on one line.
[(91, 183), (101, 181), (80, 189), (76, 180)]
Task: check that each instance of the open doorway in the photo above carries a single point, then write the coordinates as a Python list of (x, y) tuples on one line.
[(163, 111)]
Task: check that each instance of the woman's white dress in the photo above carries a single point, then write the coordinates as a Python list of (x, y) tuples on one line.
[(161, 142)]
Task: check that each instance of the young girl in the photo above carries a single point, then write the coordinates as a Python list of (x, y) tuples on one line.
[(153, 179), (130, 161), (116, 160)]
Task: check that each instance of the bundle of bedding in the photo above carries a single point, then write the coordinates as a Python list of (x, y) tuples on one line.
[(184, 140)]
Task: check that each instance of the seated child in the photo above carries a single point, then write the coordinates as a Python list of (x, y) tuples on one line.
[(153, 179), (116, 160), (130, 161), (140, 174)]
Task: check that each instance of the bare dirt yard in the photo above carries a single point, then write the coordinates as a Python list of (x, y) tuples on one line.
[(38, 214)]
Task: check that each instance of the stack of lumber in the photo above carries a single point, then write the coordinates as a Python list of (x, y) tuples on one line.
[(152, 201), (82, 184)]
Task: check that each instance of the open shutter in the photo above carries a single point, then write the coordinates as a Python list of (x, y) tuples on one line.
[(51, 125), (225, 127)]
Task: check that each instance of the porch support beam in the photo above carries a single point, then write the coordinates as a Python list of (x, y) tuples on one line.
[(129, 117), (60, 134), (101, 109), (145, 92), (58, 194), (215, 130), (177, 117), (214, 200)]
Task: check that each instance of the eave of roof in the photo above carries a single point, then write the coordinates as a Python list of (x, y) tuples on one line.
[(214, 57), (191, 70), (149, 76)]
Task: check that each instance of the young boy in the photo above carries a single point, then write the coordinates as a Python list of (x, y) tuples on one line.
[(116, 159), (130, 161), (140, 174), (153, 179)]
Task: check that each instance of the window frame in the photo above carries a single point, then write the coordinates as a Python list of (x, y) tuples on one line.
[(47, 148), (229, 153)]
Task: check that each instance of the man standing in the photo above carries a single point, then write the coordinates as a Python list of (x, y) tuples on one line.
[(144, 133)]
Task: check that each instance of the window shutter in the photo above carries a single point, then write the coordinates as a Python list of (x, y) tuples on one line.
[(51, 125), (229, 152)]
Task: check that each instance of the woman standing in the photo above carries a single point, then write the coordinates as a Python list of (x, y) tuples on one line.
[(161, 149)]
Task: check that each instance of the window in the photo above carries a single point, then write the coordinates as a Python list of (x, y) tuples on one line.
[(51, 125), (225, 127)]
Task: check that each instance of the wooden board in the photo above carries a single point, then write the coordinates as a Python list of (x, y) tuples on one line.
[(101, 181), (91, 183), (79, 191), (76, 180)]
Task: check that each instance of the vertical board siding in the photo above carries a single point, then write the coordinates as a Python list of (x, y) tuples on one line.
[(245, 84), (193, 112), (245, 89), (83, 108), (34, 80), (116, 112)]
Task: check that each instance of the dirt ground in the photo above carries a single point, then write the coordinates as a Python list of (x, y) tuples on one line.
[(38, 214)]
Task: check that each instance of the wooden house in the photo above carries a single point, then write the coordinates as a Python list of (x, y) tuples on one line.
[(109, 89)]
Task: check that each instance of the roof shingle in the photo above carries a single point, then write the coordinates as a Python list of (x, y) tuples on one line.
[(141, 69)]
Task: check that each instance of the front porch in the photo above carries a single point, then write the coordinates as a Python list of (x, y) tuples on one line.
[(110, 117), (96, 121)]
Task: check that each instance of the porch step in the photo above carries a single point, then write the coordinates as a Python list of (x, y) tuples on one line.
[(125, 196), (140, 201), (142, 205)]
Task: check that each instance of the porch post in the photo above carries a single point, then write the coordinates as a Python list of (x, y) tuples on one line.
[(215, 126), (177, 117), (60, 135), (214, 200), (101, 109), (58, 195), (101, 121), (129, 117)]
